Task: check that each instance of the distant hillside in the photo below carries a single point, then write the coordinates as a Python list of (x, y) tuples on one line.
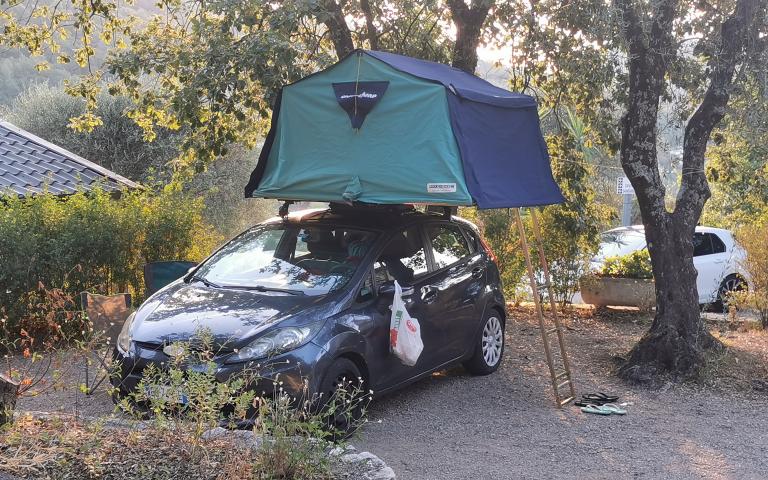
[(17, 67)]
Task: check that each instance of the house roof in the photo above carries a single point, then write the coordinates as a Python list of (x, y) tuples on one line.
[(30, 165)]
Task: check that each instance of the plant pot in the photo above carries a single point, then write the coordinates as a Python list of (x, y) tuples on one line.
[(617, 291), (9, 392)]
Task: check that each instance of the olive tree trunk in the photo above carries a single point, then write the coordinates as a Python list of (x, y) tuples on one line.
[(677, 338), (469, 21)]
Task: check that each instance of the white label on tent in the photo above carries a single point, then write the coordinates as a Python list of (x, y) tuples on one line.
[(441, 188)]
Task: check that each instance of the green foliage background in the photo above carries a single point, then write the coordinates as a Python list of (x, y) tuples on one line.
[(632, 265), (90, 242)]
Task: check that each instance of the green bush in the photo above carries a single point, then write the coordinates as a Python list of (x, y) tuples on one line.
[(90, 241), (754, 239), (633, 265)]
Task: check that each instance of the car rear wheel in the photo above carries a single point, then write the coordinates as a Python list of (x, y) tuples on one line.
[(489, 348), (732, 283), (343, 398)]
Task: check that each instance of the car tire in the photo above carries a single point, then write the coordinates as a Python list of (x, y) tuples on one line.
[(489, 347), (341, 424), (732, 283)]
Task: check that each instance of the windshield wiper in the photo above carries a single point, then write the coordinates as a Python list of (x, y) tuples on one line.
[(205, 281), (262, 288)]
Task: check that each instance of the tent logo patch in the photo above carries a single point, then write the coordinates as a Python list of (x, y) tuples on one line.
[(359, 98), (441, 188)]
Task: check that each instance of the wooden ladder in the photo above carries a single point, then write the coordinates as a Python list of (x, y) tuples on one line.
[(561, 374)]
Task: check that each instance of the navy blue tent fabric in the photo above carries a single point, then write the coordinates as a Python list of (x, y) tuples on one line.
[(458, 81), (504, 155), (505, 159)]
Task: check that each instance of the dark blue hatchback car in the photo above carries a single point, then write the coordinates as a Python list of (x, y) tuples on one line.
[(308, 295)]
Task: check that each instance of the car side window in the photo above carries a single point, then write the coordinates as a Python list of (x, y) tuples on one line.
[(717, 245), (366, 290), (403, 259), (474, 243), (702, 245), (448, 244)]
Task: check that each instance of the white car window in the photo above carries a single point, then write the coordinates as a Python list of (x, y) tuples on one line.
[(622, 242)]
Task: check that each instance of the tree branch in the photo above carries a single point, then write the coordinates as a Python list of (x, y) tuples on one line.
[(332, 16), (647, 67), (371, 32), (737, 33), (468, 21)]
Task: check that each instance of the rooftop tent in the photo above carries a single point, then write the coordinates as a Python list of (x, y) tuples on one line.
[(383, 128)]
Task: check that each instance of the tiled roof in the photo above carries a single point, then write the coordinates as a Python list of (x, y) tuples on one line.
[(29, 165)]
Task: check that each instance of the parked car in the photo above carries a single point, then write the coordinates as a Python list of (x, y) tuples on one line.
[(717, 256), (310, 294)]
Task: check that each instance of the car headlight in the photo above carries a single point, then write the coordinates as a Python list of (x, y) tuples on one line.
[(124, 339), (275, 342)]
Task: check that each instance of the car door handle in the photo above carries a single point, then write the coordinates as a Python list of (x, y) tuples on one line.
[(477, 272), (428, 294)]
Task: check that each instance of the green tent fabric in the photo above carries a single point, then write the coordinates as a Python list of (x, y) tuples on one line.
[(408, 127)]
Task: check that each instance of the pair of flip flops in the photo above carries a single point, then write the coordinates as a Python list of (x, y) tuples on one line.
[(605, 409), (598, 398)]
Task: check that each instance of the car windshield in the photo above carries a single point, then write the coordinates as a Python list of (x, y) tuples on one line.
[(620, 242), (310, 260)]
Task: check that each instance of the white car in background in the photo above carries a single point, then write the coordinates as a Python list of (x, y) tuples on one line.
[(716, 255)]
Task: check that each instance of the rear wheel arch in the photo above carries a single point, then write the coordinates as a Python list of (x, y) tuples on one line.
[(502, 313)]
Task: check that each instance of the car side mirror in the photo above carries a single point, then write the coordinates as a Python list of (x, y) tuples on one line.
[(388, 288)]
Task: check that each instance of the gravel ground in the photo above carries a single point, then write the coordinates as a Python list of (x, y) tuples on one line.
[(454, 426)]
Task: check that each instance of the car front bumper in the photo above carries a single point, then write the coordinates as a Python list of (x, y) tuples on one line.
[(294, 373)]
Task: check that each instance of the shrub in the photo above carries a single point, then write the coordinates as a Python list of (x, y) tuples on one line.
[(632, 265), (289, 438), (90, 241), (754, 239)]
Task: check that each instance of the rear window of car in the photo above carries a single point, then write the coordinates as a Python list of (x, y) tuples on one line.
[(707, 244), (620, 242), (448, 244), (474, 241)]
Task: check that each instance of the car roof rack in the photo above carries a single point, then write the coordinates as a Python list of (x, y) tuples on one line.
[(444, 210), (370, 207)]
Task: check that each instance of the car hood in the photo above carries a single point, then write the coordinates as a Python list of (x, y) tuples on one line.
[(232, 316)]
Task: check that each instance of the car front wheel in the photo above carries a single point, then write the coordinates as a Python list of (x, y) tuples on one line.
[(343, 399), (489, 348)]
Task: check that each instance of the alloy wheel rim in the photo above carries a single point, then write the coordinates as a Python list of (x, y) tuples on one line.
[(730, 285), (493, 341)]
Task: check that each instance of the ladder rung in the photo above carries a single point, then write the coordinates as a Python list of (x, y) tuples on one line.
[(561, 376), (551, 331), (565, 400), (561, 385)]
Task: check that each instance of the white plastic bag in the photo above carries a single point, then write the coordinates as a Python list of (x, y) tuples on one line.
[(404, 331)]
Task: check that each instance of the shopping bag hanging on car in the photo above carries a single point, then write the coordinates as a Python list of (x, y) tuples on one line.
[(404, 331)]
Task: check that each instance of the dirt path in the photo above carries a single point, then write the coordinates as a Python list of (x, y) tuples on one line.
[(504, 426)]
